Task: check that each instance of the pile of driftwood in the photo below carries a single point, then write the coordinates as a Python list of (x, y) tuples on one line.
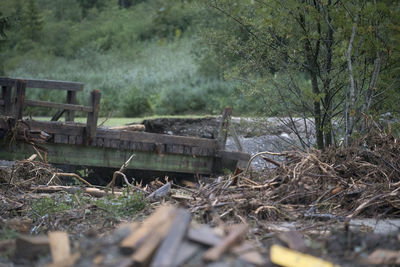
[(340, 183), (166, 238)]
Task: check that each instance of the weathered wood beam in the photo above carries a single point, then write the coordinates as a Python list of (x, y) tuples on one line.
[(71, 99), (223, 128), (93, 116), (19, 99), (39, 103), (44, 84), (58, 115), (6, 92), (111, 158), (142, 137)]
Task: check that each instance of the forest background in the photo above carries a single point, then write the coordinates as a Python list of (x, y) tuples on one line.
[(326, 61)]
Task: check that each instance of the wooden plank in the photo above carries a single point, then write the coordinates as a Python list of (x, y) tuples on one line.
[(166, 254), (19, 99), (7, 81), (185, 252), (61, 139), (196, 144), (145, 252), (54, 127), (160, 138), (47, 104), (72, 139), (112, 158), (237, 233), (6, 92), (204, 235), (59, 246), (58, 115), (44, 84), (223, 128), (155, 220), (71, 99), (91, 122), (236, 138)]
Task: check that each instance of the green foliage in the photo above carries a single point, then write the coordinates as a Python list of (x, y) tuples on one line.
[(32, 21), (6, 233), (136, 103), (86, 5), (48, 206), (173, 57), (122, 206)]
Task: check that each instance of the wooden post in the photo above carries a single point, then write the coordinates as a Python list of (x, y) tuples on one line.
[(6, 96), (71, 99), (223, 128), (19, 99), (91, 124)]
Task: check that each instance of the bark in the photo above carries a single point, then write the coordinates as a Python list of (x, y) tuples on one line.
[(328, 99), (351, 101), (311, 57)]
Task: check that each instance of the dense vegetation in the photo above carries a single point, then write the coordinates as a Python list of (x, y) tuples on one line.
[(145, 59), (333, 61)]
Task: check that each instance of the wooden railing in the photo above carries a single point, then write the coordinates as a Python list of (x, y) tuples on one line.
[(13, 103)]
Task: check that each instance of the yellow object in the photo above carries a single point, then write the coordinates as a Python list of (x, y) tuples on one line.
[(290, 258)]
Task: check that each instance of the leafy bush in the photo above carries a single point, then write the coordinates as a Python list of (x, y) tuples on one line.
[(136, 103)]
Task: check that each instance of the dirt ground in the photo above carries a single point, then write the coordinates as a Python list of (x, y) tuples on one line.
[(330, 202)]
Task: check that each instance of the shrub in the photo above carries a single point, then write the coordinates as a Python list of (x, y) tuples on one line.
[(136, 103)]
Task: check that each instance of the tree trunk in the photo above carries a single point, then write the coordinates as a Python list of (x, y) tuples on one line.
[(351, 101)]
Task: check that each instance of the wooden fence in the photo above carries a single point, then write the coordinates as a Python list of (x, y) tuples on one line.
[(13, 102)]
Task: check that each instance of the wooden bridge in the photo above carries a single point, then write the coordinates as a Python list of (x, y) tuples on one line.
[(79, 144)]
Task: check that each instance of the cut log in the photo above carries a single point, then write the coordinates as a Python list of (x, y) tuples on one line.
[(166, 254), (132, 127), (236, 234)]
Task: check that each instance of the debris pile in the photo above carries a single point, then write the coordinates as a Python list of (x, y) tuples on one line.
[(169, 237), (166, 238), (24, 173), (340, 183)]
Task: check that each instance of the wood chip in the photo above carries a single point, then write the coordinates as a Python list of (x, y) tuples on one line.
[(204, 235), (237, 233), (59, 246), (294, 240), (384, 256)]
